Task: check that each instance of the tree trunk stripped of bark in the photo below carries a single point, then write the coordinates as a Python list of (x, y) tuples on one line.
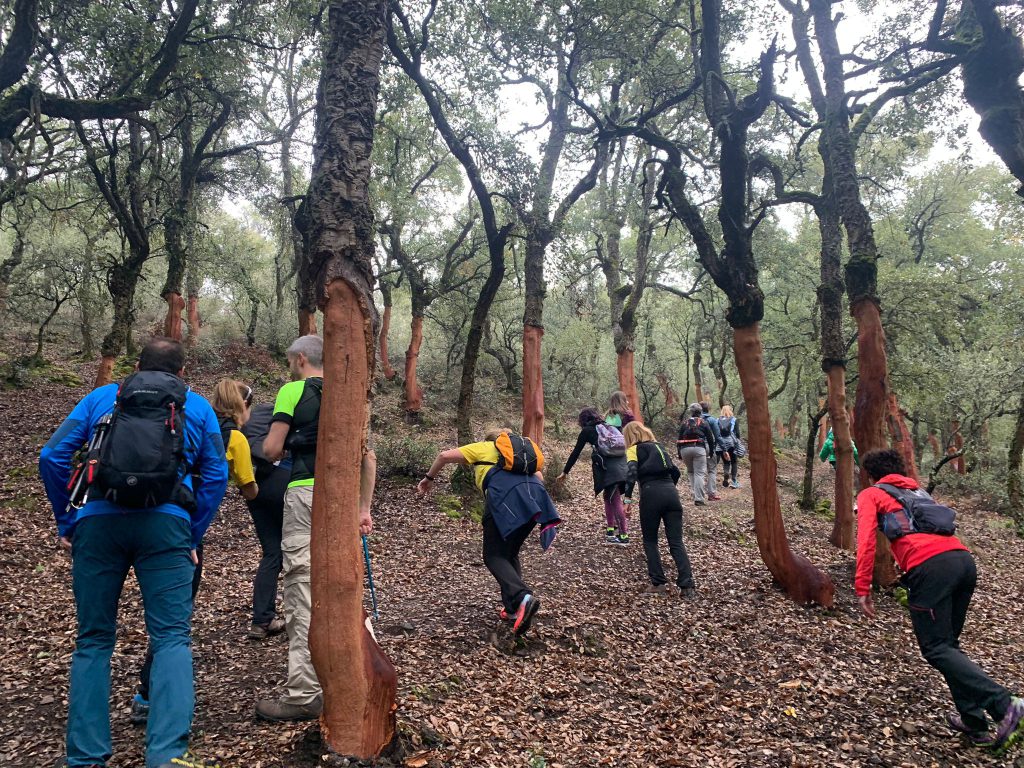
[(801, 580), (533, 384), (385, 362), (871, 404), (902, 439), (843, 529), (671, 398), (172, 323), (413, 393), (625, 367), (958, 447), (815, 421), (195, 323), (359, 682)]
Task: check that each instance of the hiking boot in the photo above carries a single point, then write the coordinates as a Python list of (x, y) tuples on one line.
[(657, 589), (263, 631), (188, 760), (978, 738), (1011, 727), (139, 713), (735, 484), (524, 616), (622, 539), (283, 711), (714, 497), (610, 534), (700, 503), (688, 593)]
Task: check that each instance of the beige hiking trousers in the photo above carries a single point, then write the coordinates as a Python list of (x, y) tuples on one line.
[(302, 686)]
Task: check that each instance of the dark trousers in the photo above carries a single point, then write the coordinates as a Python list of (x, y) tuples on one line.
[(659, 502), (729, 467), (267, 511), (147, 664), (501, 556), (939, 592), (104, 548)]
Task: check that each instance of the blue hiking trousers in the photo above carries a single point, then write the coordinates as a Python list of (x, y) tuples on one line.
[(104, 547)]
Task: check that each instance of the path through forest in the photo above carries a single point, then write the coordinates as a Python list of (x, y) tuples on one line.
[(740, 677)]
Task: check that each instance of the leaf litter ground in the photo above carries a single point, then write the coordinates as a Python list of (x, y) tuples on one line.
[(608, 677)]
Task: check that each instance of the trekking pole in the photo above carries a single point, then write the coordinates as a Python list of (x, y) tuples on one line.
[(83, 476), (369, 575)]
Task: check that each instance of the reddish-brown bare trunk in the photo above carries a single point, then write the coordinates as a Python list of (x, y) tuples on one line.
[(194, 321), (801, 580), (933, 442), (871, 405), (385, 362), (625, 368), (105, 373), (824, 425), (172, 323), (902, 440), (359, 713), (671, 398), (843, 535), (958, 445), (307, 322), (533, 384), (413, 393)]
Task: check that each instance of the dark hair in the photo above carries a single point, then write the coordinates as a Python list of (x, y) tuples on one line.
[(705, 406), (590, 417), (883, 462), (162, 354)]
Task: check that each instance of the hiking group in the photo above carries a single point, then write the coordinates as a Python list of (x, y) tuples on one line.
[(154, 460)]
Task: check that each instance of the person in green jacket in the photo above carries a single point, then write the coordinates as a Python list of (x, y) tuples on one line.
[(828, 451)]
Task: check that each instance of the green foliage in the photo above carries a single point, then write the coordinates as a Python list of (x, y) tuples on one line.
[(403, 456)]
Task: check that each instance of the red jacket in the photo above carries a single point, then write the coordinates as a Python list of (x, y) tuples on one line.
[(910, 551)]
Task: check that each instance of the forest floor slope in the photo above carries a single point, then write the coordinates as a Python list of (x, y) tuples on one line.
[(739, 677)]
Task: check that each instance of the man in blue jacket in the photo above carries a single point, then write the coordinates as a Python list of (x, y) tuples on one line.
[(159, 542)]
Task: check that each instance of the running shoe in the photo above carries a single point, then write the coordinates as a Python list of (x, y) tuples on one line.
[(524, 616), (1011, 727), (978, 738)]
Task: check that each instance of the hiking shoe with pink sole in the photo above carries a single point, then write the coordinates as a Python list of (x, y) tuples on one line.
[(524, 616), (978, 738)]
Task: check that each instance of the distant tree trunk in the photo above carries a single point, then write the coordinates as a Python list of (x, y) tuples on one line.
[(172, 322), (533, 334), (195, 323), (1014, 487), (122, 282), (810, 455), (10, 264), (957, 446), (933, 443), (671, 398), (698, 379), (902, 439), (385, 327), (359, 682), (413, 393), (174, 242)]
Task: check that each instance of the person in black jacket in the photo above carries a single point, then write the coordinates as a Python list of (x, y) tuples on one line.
[(651, 467), (609, 475)]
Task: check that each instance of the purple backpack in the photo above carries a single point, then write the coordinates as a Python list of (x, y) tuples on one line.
[(610, 442)]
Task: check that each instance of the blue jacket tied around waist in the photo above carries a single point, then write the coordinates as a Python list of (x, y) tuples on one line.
[(517, 500)]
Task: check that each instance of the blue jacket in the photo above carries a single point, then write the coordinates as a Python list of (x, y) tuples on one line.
[(716, 430), (204, 452), (516, 500)]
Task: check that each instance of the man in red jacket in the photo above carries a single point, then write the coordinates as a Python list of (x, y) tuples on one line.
[(940, 575)]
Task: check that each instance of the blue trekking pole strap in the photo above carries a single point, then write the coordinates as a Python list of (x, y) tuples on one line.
[(369, 574)]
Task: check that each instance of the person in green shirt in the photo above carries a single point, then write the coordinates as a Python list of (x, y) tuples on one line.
[(294, 428)]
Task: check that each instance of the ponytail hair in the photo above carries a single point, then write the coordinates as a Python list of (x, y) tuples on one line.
[(229, 400)]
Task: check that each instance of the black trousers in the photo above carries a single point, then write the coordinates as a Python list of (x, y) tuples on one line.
[(729, 467), (147, 664), (659, 503), (939, 592), (501, 556), (267, 511)]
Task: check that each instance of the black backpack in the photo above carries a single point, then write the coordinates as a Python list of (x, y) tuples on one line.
[(142, 458), (725, 426), (691, 429), (920, 513), (256, 430), (302, 438)]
